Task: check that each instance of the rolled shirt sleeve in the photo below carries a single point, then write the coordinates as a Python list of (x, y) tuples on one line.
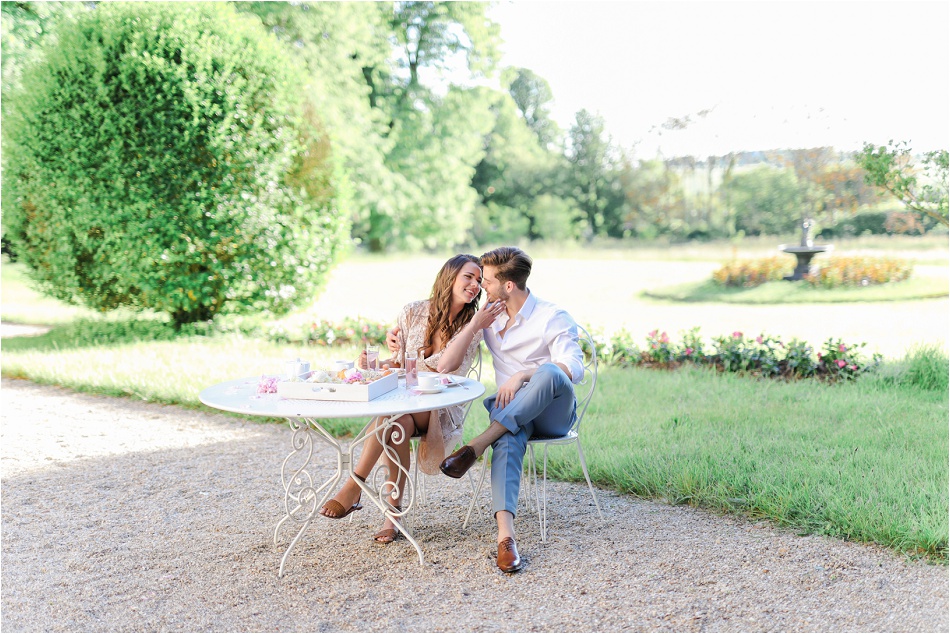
[(564, 345)]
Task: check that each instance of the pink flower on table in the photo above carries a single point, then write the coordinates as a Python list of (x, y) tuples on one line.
[(842, 348), (841, 363), (737, 335)]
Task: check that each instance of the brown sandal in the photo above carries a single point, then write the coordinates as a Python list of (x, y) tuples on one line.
[(338, 511), (388, 535)]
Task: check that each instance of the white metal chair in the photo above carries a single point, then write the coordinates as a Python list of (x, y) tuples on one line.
[(584, 391)]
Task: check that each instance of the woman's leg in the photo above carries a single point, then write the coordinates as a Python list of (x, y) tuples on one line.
[(399, 440), (349, 493)]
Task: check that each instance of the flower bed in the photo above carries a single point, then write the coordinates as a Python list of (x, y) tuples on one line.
[(764, 355), (832, 272)]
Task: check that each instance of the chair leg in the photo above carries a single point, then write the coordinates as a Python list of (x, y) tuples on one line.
[(530, 471), (543, 509), (478, 489), (580, 452)]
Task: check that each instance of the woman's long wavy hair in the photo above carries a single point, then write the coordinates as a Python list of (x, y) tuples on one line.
[(440, 301)]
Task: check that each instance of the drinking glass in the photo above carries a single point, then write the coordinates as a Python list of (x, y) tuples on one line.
[(412, 375), (372, 357)]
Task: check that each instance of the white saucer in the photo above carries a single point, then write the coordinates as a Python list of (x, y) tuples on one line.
[(429, 390)]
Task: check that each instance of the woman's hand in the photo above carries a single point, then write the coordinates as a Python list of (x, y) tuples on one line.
[(392, 341), (487, 314), (361, 361)]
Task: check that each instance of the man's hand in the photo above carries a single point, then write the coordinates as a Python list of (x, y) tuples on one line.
[(392, 340), (508, 390)]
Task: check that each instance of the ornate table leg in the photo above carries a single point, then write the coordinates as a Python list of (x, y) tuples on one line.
[(302, 499), (388, 485)]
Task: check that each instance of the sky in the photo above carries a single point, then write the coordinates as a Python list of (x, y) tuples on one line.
[(767, 74)]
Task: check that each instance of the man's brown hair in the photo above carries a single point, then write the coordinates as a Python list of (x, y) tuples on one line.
[(511, 264)]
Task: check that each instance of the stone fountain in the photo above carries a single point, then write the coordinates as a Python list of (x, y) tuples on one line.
[(804, 252)]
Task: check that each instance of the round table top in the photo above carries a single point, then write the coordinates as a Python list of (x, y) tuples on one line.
[(240, 396)]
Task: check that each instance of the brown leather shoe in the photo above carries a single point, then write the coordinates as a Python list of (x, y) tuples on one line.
[(508, 558), (458, 462)]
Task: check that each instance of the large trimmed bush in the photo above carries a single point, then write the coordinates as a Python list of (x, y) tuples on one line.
[(160, 156)]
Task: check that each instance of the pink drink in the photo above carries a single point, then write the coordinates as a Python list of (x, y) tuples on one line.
[(412, 375), (372, 358)]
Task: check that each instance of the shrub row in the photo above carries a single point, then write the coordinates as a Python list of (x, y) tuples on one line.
[(830, 273), (749, 273), (859, 271)]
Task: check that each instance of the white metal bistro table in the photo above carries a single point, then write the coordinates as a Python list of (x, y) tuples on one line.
[(303, 498)]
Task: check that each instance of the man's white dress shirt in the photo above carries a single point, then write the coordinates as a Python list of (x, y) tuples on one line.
[(541, 333)]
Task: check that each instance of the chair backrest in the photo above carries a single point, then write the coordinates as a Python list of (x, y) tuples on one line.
[(474, 372), (584, 390)]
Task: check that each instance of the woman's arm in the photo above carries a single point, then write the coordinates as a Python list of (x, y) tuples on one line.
[(454, 354)]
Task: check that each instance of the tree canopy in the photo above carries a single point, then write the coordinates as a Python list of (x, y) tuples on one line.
[(161, 156)]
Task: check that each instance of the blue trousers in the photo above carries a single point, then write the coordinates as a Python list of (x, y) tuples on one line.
[(544, 407)]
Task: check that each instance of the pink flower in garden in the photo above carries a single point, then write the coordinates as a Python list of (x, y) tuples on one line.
[(842, 348), (664, 338), (737, 335), (841, 363), (689, 351), (758, 339), (365, 329), (854, 367), (819, 356), (652, 333)]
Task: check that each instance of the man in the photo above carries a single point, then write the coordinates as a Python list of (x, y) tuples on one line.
[(537, 360)]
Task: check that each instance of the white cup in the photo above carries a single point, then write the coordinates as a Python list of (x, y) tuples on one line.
[(342, 365), (429, 380)]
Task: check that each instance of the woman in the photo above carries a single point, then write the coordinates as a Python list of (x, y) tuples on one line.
[(426, 326)]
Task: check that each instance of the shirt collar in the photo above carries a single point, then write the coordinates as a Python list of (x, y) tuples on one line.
[(526, 310), (528, 307)]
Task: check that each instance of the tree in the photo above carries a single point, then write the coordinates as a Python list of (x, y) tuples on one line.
[(161, 156), (653, 195), (513, 173), (595, 175), (890, 167), (532, 93), (767, 200), (408, 143)]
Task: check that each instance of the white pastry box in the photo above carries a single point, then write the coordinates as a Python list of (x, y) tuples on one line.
[(337, 391)]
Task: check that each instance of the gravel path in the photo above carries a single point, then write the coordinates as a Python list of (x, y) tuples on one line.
[(120, 515)]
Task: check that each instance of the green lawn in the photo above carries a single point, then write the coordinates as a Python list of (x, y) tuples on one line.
[(707, 291)]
